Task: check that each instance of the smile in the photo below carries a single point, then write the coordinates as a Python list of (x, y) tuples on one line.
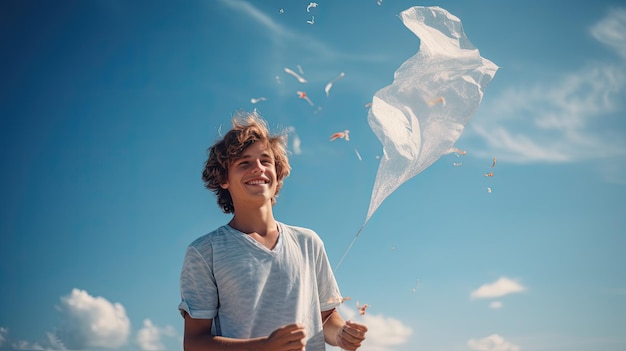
[(257, 182)]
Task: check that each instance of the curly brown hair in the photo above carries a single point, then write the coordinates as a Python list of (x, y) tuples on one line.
[(248, 128)]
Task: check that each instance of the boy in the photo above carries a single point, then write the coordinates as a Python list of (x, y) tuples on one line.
[(255, 283)]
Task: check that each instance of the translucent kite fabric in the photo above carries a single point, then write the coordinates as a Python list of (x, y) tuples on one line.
[(433, 96)]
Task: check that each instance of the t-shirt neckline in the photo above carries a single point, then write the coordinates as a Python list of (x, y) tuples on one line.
[(275, 249)]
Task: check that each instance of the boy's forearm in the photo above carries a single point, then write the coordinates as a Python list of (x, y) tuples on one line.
[(219, 343), (333, 323)]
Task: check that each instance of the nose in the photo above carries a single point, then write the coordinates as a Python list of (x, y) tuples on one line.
[(258, 166)]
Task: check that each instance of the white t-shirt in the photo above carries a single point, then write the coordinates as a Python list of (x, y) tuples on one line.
[(249, 290)]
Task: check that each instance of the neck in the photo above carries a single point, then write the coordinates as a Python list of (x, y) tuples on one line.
[(260, 221)]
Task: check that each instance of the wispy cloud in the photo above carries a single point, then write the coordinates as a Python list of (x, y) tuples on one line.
[(495, 304), (52, 342), (252, 12), (55, 343), (501, 287), (149, 337), (3, 335), (92, 322), (296, 143), (384, 333), (611, 31), (569, 121), (577, 117), (493, 342), (291, 39), (25, 345)]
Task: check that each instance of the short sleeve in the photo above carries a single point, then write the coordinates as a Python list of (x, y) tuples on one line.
[(198, 288), (329, 294)]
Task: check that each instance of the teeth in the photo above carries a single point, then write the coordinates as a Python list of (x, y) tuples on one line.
[(256, 182)]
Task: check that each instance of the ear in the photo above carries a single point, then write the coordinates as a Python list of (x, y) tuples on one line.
[(224, 186)]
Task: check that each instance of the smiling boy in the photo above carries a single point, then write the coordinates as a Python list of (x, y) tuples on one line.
[(256, 283)]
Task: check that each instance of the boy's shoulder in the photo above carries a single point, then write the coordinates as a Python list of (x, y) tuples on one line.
[(300, 232), (210, 236), (297, 229)]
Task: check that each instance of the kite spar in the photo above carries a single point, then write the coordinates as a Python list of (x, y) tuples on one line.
[(414, 131)]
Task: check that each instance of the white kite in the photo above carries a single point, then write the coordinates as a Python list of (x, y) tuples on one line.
[(414, 135)]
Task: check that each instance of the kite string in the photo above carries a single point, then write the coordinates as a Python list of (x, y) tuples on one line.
[(336, 267), (335, 270), (349, 247)]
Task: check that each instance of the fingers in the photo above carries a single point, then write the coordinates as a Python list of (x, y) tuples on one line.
[(297, 336), (293, 332), (291, 327), (357, 326), (351, 335), (288, 337)]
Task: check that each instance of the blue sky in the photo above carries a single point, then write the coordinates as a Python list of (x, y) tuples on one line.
[(107, 109)]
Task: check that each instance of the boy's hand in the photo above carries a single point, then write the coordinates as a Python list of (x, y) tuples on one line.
[(351, 335), (286, 338)]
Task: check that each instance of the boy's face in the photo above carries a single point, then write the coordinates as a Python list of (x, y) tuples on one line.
[(252, 177)]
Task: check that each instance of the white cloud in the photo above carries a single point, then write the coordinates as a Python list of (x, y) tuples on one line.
[(611, 31), (501, 287), (55, 343), (3, 335), (492, 342), (384, 333), (495, 304), (92, 322), (25, 345), (149, 336), (52, 343)]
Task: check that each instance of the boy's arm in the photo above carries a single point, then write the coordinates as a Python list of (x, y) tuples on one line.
[(198, 337)]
